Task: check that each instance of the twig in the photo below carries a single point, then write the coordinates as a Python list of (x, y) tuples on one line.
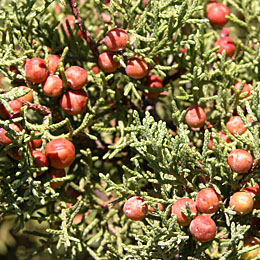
[(86, 35), (37, 107)]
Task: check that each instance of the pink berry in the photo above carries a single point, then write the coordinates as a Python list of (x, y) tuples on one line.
[(235, 125), (106, 62), (4, 140), (40, 160), (227, 44), (240, 161), (73, 102), (53, 63), (203, 228), (116, 39), (52, 86), (36, 70), (216, 13), (246, 88), (153, 81), (134, 209), (137, 68), (15, 106), (60, 152), (77, 77), (181, 204), (207, 201), (195, 117)]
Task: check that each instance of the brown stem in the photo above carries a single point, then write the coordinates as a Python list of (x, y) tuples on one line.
[(85, 34), (37, 107)]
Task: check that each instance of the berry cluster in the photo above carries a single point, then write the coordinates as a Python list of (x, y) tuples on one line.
[(136, 68)]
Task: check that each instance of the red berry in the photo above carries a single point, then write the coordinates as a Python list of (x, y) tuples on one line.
[(28, 97), (56, 173), (106, 62), (153, 81), (181, 204), (216, 13), (53, 63), (15, 106), (252, 191), (248, 243), (36, 143), (227, 44), (4, 140), (235, 125), (52, 86), (134, 209), (95, 69), (137, 68), (240, 161), (203, 228), (70, 18), (77, 77), (195, 117), (223, 137), (224, 32), (36, 70), (242, 201), (207, 201), (246, 88), (116, 39), (60, 152), (40, 160), (73, 102)]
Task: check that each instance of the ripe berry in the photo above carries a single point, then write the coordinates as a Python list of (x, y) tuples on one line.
[(235, 125), (240, 161), (195, 117), (73, 102), (227, 44), (207, 201), (216, 13), (181, 204), (4, 140), (52, 86), (36, 143), (106, 62), (153, 81), (116, 39), (250, 242), (77, 77), (95, 69), (223, 137), (137, 68), (15, 106), (60, 152), (203, 228), (40, 160), (53, 61), (56, 173), (246, 88), (242, 201), (27, 97), (36, 70), (252, 191), (70, 18), (134, 209)]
